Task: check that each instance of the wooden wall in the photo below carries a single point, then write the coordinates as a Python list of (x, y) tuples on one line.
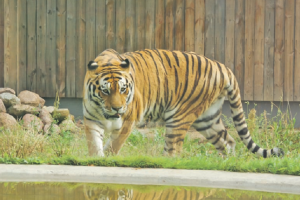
[(45, 44)]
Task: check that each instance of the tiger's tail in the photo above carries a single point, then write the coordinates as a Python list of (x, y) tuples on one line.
[(241, 125)]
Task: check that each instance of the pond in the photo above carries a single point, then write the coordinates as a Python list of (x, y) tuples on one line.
[(93, 191)]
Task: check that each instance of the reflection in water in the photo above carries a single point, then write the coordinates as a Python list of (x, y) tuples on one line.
[(85, 191)]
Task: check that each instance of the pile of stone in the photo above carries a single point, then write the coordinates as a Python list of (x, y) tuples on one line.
[(28, 108)]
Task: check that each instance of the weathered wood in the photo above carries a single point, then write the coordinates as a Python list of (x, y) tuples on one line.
[(41, 47), (120, 26), (269, 50), (189, 23), (2, 43), (259, 50), (289, 50), (229, 34), (10, 43), (279, 49), (159, 24), (297, 53), (199, 26), (90, 27), (140, 24), (81, 63), (111, 24), (149, 24), (61, 47), (169, 25), (100, 26), (179, 25), (26, 46), (71, 49), (220, 30), (239, 47), (130, 25), (51, 49), (249, 46), (209, 29)]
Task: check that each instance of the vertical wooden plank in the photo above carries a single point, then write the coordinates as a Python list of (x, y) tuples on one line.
[(2, 43), (61, 48), (297, 53), (169, 25), (179, 25), (120, 26), (239, 54), (100, 26), (41, 47), (269, 50), (220, 30), (111, 24), (229, 34), (51, 49), (81, 63), (140, 24), (189, 34), (90, 27), (289, 50), (279, 51), (130, 25), (249, 46), (259, 50), (149, 24), (209, 29), (10, 44), (26, 51), (159, 24), (71, 49), (199, 26)]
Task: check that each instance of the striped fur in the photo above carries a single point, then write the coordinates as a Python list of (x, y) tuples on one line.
[(182, 89)]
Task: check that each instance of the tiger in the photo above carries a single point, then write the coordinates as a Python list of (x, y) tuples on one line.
[(182, 89)]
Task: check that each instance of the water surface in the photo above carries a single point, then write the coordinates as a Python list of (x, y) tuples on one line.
[(93, 191)]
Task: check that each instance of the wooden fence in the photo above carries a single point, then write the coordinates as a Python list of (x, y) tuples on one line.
[(45, 44)]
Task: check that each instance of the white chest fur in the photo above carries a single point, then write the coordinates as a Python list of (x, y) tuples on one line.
[(110, 125)]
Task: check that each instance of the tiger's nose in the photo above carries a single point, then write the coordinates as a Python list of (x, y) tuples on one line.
[(116, 108)]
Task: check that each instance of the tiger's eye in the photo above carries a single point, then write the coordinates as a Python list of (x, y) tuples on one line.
[(123, 89), (105, 91)]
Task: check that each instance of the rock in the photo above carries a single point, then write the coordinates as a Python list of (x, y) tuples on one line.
[(51, 129), (61, 114), (9, 99), (7, 90), (49, 108), (45, 116), (68, 125), (2, 107), (31, 99), (19, 111), (32, 121), (7, 120), (42, 102)]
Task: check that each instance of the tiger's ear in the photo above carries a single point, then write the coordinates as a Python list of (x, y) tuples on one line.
[(92, 65), (125, 63)]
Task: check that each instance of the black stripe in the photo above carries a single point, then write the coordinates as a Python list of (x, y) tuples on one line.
[(238, 117), (255, 149), (265, 153), (249, 146), (225, 135), (241, 123), (216, 141), (203, 128), (176, 58), (211, 137), (247, 137), (209, 118), (167, 58), (235, 105), (244, 131), (272, 152)]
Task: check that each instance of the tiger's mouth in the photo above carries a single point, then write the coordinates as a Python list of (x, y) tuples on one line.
[(117, 115)]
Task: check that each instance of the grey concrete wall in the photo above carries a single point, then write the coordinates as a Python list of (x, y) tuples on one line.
[(75, 107)]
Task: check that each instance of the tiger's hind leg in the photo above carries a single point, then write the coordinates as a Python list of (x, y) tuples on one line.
[(216, 134), (174, 141)]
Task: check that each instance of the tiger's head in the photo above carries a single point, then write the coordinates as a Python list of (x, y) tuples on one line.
[(109, 83)]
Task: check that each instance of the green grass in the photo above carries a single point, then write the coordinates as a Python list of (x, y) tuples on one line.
[(20, 146)]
